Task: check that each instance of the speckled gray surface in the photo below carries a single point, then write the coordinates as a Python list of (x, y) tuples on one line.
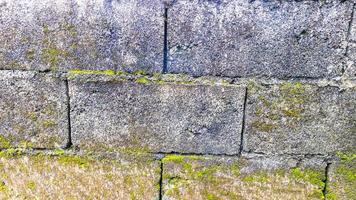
[(33, 110), (258, 38), (296, 118), (86, 34), (350, 70), (157, 117)]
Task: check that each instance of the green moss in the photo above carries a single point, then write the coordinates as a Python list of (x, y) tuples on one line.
[(26, 144), (314, 177), (30, 54), (74, 160), (263, 126), (346, 156), (258, 177), (92, 72), (32, 116), (59, 152), (3, 187), (11, 152), (292, 112), (140, 72), (142, 80), (4, 143), (49, 123), (179, 159), (31, 185), (210, 196)]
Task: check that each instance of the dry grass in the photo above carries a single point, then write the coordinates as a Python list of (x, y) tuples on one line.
[(71, 177)]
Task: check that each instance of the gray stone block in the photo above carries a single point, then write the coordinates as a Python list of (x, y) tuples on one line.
[(350, 70), (94, 34), (296, 118), (156, 117), (33, 110), (258, 38)]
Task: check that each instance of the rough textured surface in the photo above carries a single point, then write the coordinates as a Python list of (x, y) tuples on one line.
[(33, 110), (75, 177), (351, 65), (158, 117), (297, 118), (342, 178), (270, 38), (94, 34), (192, 177)]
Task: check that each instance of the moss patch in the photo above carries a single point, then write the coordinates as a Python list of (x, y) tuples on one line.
[(213, 178), (92, 72), (342, 182)]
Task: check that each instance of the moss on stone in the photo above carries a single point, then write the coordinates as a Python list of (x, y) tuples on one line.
[(343, 181), (211, 179), (142, 80), (49, 123), (263, 126), (315, 177), (92, 72), (4, 143)]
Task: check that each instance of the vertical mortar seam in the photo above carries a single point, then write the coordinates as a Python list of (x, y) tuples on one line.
[(69, 126), (326, 180), (165, 41), (242, 140), (161, 180)]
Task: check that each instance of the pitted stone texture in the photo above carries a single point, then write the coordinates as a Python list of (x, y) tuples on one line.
[(33, 110), (350, 71), (351, 53), (192, 177), (296, 118), (94, 34), (258, 38), (157, 117)]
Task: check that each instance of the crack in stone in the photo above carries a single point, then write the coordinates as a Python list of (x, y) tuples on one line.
[(69, 142), (161, 180), (165, 42), (326, 180), (242, 139)]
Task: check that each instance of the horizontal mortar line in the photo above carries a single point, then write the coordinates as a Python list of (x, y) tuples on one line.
[(78, 152), (237, 81), (285, 154), (194, 154)]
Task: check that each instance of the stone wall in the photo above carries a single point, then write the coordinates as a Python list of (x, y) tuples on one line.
[(183, 99)]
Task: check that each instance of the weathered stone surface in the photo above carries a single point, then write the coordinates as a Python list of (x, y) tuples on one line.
[(351, 53), (94, 34), (192, 177), (263, 38), (342, 178), (157, 117), (33, 110), (77, 177), (298, 118)]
